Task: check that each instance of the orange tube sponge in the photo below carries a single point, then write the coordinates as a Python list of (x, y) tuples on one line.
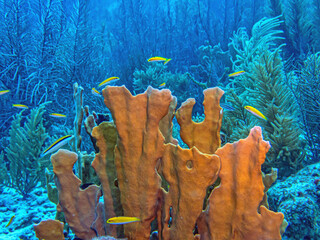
[(103, 164), (268, 180), (166, 125), (205, 135), (80, 207), (232, 211), (188, 172), (140, 146), (49, 230)]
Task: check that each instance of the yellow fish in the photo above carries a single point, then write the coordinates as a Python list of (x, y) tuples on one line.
[(255, 112), (162, 85), (122, 220), (95, 92), (10, 221), (20, 106), (4, 92), (56, 145), (159, 59), (57, 115), (235, 74), (108, 81)]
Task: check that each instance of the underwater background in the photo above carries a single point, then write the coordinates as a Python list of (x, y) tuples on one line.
[(57, 56)]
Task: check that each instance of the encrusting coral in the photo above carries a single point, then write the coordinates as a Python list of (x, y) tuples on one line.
[(140, 154)]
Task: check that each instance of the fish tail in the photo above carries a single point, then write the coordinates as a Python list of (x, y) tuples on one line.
[(168, 60)]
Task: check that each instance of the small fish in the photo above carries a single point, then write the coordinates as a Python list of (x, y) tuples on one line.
[(4, 92), (122, 220), (56, 145), (95, 92), (235, 74), (57, 115), (159, 59), (20, 106), (162, 85), (108, 81), (10, 221), (227, 107), (255, 112)]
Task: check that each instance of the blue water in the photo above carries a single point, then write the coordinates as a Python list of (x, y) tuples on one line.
[(262, 54)]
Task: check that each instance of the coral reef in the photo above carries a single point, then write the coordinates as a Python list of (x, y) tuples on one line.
[(27, 211), (156, 74), (298, 197), (152, 74), (132, 154)]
